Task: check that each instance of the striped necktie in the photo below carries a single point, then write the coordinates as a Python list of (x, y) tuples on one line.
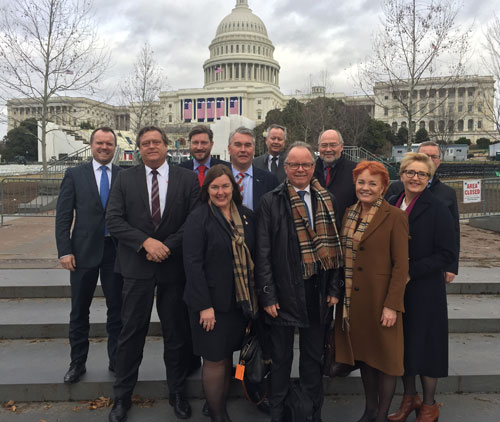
[(155, 200), (241, 176)]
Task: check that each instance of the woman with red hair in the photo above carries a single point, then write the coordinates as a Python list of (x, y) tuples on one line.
[(368, 327)]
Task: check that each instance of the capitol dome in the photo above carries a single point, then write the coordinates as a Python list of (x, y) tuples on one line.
[(241, 52)]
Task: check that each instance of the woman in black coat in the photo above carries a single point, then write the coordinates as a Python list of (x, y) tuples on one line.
[(218, 238), (425, 321)]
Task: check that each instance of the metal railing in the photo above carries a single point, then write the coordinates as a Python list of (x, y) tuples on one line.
[(490, 198), (28, 197), (358, 154)]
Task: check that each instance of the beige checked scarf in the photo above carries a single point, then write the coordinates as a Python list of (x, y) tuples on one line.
[(244, 283), (319, 248), (350, 238)]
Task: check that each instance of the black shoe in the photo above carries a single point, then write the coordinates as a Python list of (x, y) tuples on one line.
[(342, 369), (182, 408), (74, 373), (205, 410), (119, 411)]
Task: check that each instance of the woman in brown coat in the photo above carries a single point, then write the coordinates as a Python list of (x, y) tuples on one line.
[(369, 328)]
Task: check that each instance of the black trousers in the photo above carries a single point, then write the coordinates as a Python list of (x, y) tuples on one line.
[(138, 297), (83, 283), (311, 345)]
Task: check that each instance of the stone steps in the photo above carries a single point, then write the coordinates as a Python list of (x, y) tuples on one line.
[(36, 367)]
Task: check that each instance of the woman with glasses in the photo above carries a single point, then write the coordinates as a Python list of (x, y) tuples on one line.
[(369, 327), (220, 295), (425, 321)]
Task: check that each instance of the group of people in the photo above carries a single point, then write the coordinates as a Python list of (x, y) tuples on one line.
[(282, 239)]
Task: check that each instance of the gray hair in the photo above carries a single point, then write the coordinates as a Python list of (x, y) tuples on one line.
[(244, 131), (431, 144), (300, 144), (275, 126), (341, 140)]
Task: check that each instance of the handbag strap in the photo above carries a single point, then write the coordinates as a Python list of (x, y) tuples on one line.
[(245, 391)]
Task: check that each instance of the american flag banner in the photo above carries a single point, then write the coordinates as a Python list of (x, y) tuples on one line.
[(221, 107), (233, 105), (210, 108), (218, 69), (201, 109), (188, 110)]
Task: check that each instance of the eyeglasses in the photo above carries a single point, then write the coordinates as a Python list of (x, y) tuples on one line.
[(331, 145), (295, 166), (433, 157), (420, 174)]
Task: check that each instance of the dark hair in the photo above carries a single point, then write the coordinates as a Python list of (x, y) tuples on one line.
[(104, 129), (201, 129), (146, 129), (215, 172)]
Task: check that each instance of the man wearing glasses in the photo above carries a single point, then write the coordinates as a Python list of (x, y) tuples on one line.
[(334, 171), (297, 276), (444, 192)]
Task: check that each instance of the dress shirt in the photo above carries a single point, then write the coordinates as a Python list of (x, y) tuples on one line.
[(307, 199), (270, 160), (196, 164), (162, 184), (247, 185), (98, 172)]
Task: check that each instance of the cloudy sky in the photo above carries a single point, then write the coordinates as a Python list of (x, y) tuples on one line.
[(309, 37)]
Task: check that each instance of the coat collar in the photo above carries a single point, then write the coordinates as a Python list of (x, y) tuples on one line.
[(378, 219)]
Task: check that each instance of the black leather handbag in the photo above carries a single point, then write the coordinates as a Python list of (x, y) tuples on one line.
[(252, 358)]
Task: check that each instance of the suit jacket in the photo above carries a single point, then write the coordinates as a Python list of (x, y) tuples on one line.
[(261, 162), (128, 218), (189, 164), (341, 184), (79, 197), (379, 278), (208, 258), (263, 182), (447, 195)]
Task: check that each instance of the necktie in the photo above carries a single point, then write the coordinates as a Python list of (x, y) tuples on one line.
[(241, 176), (328, 175), (274, 165), (155, 200), (104, 190), (302, 194), (201, 174)]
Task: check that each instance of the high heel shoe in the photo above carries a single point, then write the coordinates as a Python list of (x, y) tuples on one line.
[(428, 413), (408, 405)]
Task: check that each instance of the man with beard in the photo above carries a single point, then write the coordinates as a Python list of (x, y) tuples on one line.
[(201, 142), (334, 171)]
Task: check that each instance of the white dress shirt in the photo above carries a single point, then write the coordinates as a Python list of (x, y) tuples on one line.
[(98, 173), (307, 199), (162, 177)]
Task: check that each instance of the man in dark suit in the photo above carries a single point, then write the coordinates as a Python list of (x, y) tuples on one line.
[(444, 192), (253, 181), (147, 208), (334, 171), (201, 142), (273, 159), (88, 251)]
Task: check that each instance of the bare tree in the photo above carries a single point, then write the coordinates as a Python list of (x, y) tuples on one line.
[(418, 41), (492, 108), (49, 48), (142, 88)]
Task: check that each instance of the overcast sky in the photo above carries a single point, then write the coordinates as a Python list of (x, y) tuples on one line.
[(309, 37)]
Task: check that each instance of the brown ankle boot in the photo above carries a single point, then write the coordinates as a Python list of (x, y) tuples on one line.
[(408, 404), (428, 413)]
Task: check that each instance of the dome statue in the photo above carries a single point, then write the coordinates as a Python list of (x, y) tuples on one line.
[(241, 52)]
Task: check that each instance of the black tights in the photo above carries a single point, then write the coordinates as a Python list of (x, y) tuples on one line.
[(379, 390), (216, 377), (429, 385)]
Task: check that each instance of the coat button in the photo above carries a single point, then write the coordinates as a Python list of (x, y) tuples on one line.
[(360, 269), (361, 248), (356, 289)]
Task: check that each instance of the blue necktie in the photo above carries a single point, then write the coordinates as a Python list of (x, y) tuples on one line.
[(104, 190), (302, 194)]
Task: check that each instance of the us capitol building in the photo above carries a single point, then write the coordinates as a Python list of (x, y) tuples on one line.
[(241, 84)]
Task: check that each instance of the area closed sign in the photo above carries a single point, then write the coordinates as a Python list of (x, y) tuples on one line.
[(472, 191)]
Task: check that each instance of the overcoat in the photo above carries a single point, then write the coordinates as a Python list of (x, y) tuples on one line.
[(380, 274), (425, 322)]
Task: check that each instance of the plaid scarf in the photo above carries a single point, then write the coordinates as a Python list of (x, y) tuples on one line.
[(244, 283), (350, 238), (319, 248)]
